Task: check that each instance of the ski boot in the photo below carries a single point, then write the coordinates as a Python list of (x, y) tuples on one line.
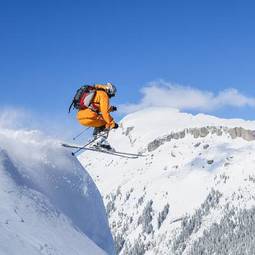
[(100, 134)]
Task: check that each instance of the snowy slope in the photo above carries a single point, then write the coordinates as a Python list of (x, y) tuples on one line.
[(193, 193), (49, 204)]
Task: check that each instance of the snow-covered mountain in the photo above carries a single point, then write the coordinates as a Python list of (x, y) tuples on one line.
[(49, 203), (193, 192)]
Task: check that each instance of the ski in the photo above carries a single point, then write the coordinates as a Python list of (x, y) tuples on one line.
[(116, 153), (79, 148), (71, 146)]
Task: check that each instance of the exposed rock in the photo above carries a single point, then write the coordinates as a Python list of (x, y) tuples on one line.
[(182, 134), (154, 145), (206, 146), (128, 130), (203, 132), (194, 132), (197, 145), (210, 161), (248, 135), (175, 135)]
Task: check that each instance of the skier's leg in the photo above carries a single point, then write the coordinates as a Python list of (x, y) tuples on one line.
[(92, 123), (98, 130), (90, 119)]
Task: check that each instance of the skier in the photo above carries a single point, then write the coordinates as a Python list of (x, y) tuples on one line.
[(97, 114), (92, 103)]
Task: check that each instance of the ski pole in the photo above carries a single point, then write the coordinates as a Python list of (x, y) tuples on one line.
[(81, 133), (90, 142)]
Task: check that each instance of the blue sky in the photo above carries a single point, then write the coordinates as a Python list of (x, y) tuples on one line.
[(49, 48)]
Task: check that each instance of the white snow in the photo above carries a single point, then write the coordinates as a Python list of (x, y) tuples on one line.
[(49, 203), (176, 173), (154, 122)]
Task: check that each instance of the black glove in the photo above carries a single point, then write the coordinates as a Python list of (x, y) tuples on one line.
[(113, 108), (116, 126)]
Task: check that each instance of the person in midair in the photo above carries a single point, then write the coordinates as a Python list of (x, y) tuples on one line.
[(98, 115)]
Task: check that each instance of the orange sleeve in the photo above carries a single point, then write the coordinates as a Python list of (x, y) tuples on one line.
[(104, 109)]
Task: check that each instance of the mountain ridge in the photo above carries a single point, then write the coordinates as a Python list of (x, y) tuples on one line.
[(173, 199), (49, 203)]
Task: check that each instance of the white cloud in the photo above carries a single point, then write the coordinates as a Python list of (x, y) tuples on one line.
[(164, 94), (13, 118), (62, 126)]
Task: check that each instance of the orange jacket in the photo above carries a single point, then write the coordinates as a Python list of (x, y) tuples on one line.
[(87, 117), (101, 100)]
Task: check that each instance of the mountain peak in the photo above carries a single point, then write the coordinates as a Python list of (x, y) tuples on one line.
[(197, 171), (49, 202), (146, 125)]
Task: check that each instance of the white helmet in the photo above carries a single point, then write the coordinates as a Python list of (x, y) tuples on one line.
[(111, 89)]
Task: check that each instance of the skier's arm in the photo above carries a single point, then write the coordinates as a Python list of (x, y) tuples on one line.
[(104, 109)]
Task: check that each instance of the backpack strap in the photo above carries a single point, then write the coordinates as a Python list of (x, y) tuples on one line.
[(70, 107), (93, 108), (88, 102)]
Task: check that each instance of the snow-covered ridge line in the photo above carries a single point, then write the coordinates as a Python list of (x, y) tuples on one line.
[(193, 193), (246, 134), (49, 203)]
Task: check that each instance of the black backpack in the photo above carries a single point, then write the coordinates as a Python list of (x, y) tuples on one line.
[(83, 97)]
